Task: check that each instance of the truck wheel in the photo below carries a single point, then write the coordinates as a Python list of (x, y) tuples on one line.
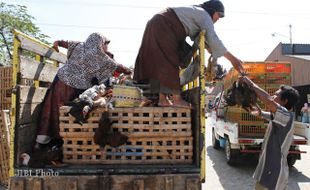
[(215, 142), (231, 154), (291, 161)]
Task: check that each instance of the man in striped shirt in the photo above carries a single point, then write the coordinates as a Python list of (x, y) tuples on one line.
[(272, 169)]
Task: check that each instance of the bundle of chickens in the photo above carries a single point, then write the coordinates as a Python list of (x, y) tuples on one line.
[(241, 94), (214, 71)]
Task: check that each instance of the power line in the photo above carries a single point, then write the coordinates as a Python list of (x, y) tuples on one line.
[(87, 26), (142, 28)]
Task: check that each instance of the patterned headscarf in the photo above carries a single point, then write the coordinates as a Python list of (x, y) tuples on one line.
[(86, 62)]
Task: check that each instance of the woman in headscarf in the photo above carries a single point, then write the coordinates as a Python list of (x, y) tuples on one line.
[(86, 61), (158, 60)]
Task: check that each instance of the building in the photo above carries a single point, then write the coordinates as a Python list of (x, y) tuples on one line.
[(299, 57)]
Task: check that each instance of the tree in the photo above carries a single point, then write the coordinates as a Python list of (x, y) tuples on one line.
[(15, 17)]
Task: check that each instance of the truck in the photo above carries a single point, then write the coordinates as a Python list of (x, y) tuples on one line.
[(241, 134), (165, 150)]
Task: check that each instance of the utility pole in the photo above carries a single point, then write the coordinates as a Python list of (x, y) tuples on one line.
[(290, 37), (291, 40)]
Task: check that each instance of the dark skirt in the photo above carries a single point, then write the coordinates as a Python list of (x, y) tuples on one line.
[(158, 57), (58, 94)]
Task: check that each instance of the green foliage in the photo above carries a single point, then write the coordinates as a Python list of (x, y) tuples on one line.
[(15, 17)]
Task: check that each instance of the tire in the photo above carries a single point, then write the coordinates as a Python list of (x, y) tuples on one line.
[(231, 154), (291, 161), (215, 142)]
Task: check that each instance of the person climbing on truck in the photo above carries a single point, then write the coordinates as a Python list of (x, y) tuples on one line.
[(272, 169), (158, 61), (86, 61)]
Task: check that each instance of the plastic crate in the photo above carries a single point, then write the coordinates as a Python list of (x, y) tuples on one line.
[(278, 78), (278, 67), (259, 79), (238, 115), (272, 88), (252, 129), (255, 67), (156, 135)]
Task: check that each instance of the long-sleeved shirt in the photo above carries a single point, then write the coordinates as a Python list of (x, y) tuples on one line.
[(195, 19)]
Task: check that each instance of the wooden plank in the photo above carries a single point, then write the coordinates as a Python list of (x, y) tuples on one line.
[(31, 95), (36, 47), (105, 182), (192, 184), (72, 184), (17, 183), (34, 183), (61, 183), (32, 69), (168, 183), (89, 182), (138, 184), (83, 182)]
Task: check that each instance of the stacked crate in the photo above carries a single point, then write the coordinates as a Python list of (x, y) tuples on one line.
[(5, 87), (156, 135), (276, 75), (4, 147), (267, 75)]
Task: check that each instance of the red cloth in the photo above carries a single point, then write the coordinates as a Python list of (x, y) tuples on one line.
[(58, 94)]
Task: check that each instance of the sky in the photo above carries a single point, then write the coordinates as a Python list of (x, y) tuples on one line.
[(246, 30)]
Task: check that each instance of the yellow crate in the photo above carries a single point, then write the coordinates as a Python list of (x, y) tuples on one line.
[(252, 130), (126, 96), (239, 115), (255, 67)]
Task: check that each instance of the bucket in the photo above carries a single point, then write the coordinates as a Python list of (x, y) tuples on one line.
[(222, 142)]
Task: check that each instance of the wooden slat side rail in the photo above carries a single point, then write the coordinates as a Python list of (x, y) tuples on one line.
[(4, 147), (28, 113), (32, 69), (29, 94), (30, 99), (156, 135), (38, 47)]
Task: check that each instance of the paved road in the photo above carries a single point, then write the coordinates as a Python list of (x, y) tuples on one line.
[(221, 176)]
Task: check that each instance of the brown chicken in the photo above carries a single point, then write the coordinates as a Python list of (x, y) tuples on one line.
[(241, 94), (104, 134)]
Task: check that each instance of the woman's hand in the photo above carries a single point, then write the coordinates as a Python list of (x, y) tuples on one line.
[(237, 63), (55, 46)]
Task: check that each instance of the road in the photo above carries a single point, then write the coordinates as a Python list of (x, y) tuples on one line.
[(219, 175)]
